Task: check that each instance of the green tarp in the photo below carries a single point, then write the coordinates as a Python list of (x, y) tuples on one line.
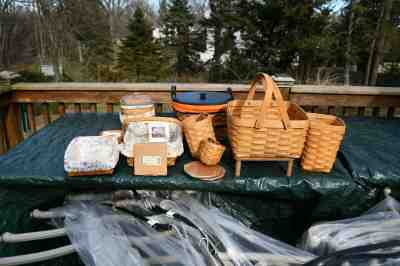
[(38, 161), (263, 197)]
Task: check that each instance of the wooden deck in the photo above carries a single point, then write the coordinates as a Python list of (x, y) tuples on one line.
[(26, 107)]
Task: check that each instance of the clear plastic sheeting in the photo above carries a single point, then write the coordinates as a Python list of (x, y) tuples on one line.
[(378, 225), (103, 237), (148, 229), (98, 242), (234, 242), (383, 254)]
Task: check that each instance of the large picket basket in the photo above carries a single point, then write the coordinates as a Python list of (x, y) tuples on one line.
[(323, 142), (266, 128)]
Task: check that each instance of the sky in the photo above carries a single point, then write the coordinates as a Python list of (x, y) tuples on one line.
[(337, 5)]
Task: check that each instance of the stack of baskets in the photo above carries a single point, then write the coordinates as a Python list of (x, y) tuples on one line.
[(136, 106)]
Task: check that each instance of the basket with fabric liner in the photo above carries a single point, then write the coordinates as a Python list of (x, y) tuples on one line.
[(171, 160), (91, 155), (323, 142), (266, 128)]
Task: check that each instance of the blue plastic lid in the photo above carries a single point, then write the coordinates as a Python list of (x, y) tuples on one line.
[(202, 97)]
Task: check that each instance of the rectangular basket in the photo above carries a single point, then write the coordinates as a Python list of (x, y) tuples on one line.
[(266, 128), (323, 142)]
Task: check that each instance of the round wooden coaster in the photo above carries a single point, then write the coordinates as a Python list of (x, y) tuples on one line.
[(217, 178), (200, 171)]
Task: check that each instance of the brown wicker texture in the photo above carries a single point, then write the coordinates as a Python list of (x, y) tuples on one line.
[(218, 119), (210, 151), (139, 112), (130, 115), (196, 128), (92, 173), (323, 142), (266, 128)]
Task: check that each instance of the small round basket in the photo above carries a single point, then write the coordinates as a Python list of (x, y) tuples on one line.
[(210, 151)]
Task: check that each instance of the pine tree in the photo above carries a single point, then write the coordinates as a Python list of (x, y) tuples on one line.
[(180, 36), (220, 25), (140, 57)]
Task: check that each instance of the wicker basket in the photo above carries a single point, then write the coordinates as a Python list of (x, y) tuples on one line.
[(135, 107), (210, 151), (266, 128), (323, 142), (92, 173), (170, 160), (218, 121), (196, 128)]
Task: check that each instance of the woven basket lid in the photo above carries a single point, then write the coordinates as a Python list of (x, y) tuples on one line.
[(136, 100)]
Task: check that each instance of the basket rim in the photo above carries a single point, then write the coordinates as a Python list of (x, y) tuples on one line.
[(155, 119), (277, 124), (315, 121)]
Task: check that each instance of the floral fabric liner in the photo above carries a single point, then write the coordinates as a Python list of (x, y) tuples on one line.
[(93, 153)]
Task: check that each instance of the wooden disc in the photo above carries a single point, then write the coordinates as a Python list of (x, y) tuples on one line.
[(217, 178), (198, 170)]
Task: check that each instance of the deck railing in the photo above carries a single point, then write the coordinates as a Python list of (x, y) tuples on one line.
[(26, 107)]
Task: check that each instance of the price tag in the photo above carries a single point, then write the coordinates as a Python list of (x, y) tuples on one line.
[(149, 160)]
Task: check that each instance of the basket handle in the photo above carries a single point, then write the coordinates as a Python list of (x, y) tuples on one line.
[(271, 90)]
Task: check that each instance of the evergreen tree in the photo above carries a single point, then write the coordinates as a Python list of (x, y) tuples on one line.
[(220, 24), (180, 35), (140, 56)]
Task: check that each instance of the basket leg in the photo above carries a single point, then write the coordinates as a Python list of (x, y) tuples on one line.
[(289, 168), (238, 165)]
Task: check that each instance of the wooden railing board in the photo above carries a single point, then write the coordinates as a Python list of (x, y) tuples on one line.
[(131, 87), (47, 112), (110, 107), (345, 90), (31, 118), (347, 100), (12, 122), (3, 140), (68, 96)]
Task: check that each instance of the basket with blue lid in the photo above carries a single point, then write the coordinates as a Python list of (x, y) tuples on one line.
[(186, 103)]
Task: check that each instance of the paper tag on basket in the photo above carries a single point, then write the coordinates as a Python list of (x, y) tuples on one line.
[(150, 160), (158, 132)]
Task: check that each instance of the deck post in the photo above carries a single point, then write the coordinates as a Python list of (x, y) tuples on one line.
[(13, 125)]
